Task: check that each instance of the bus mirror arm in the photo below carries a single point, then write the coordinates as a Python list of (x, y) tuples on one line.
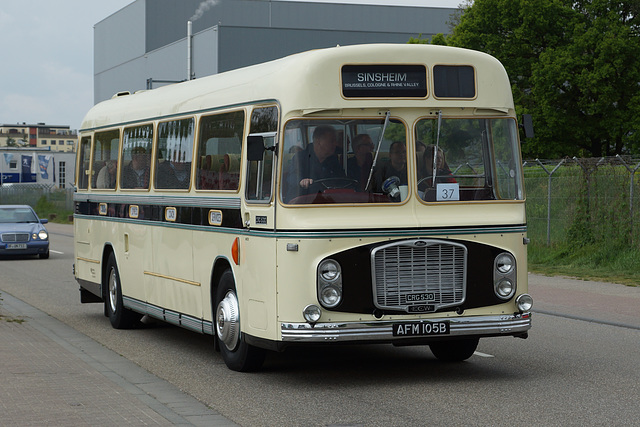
[(255, 148)]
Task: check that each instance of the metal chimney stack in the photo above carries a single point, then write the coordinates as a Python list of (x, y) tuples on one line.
[(189, 50)]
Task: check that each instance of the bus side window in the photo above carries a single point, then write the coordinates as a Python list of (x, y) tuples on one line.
[(136, 155), (83, 165), (260, 173), (105, 159), (219, 148), (174, 154)]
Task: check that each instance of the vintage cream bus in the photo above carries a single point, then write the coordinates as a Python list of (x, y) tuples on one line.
[(368, 194)]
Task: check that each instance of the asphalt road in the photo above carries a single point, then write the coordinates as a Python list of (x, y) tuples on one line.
[(580, 365)]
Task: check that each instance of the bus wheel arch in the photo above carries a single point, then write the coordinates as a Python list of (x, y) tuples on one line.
[(237, 354)]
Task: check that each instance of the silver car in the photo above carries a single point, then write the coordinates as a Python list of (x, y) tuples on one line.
[(22, 232)]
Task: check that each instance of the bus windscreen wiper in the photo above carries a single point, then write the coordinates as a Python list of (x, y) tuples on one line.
[(375, 159)]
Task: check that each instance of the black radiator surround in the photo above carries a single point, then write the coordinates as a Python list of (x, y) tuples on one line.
[(357, 284)]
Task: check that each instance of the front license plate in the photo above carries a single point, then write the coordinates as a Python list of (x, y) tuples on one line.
[(16, 246), (415, 329)]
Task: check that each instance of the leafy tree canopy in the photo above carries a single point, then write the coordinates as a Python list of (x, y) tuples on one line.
[(573, 65)]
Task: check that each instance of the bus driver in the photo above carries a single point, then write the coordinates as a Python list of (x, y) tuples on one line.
[(317, 161)]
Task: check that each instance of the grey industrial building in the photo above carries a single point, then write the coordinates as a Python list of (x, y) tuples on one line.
[(145, 44)]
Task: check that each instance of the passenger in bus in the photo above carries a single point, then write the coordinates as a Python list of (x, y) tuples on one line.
[(443, 173), (395, 166), (359, 166), (317, 161), (173, 173), (136, 173), (107, 175)]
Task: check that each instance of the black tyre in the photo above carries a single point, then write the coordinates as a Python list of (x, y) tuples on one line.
[(236, 353), (44, 255), (119, 316), (454, 351)]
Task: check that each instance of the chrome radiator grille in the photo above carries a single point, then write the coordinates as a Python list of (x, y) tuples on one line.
[(419, 276), (15, 237)]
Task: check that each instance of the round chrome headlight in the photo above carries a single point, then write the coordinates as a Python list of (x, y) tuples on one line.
[(330, 296), (43, 235), (329, 270), (312, 313), (505, 263), (504, 289), (524, 302)]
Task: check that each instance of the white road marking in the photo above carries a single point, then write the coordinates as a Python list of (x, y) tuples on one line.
[(56, 252), (477, 353)]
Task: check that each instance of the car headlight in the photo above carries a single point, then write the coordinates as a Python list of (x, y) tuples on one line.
[(329, 283), (42, 235), (504, 276)]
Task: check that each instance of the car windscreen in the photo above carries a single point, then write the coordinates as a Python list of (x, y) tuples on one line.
[(21, 215)]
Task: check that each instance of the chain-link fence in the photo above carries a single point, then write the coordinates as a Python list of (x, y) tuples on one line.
[(44, 198), (581, 201)]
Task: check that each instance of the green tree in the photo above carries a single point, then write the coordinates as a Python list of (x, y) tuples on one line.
[(574, 65), (587, 90)]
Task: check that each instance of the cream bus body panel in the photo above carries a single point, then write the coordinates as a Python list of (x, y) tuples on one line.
[(400, 217), (88, 259), (170, 282)]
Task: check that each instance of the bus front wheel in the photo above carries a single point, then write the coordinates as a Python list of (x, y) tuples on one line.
[(454, 351), (119, 316), (236, 353)]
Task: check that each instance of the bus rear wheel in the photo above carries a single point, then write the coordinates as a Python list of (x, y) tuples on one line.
[(236, 353), (119, 316), (454, 351)]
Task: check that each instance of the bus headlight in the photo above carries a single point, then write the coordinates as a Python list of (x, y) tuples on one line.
[(524, 302), (505, 263), (505, 289), (329, 270), (312, 313), (329, 283), (504, 276)]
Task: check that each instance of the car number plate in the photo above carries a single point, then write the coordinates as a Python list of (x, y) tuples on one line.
[(418, 329), (16, 246)]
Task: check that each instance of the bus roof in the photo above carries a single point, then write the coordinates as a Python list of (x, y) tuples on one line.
[(308, 81)]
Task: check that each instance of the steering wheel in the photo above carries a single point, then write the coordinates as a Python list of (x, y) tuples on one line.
[(423, 180), (338, 182)]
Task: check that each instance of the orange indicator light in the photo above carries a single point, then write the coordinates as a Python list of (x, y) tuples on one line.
[(235, 251)]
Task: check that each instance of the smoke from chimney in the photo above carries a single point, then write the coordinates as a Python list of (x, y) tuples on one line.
[(204, 6)]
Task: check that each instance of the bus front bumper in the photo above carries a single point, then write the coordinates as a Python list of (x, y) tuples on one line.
[(397, 331)]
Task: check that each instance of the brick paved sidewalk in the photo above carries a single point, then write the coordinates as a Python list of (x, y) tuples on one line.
[(51, 374)]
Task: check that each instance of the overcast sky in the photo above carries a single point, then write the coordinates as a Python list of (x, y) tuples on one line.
[(46, 46)]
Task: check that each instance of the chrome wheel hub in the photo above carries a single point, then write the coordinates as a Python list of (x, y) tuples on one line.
[(113, 290), (228, 321)]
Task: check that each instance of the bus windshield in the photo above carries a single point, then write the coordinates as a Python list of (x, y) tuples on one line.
[(474, 159), (347, 161)]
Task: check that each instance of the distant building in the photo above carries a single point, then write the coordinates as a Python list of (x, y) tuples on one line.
[(37, 166), (40, 136), (144, 45)]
